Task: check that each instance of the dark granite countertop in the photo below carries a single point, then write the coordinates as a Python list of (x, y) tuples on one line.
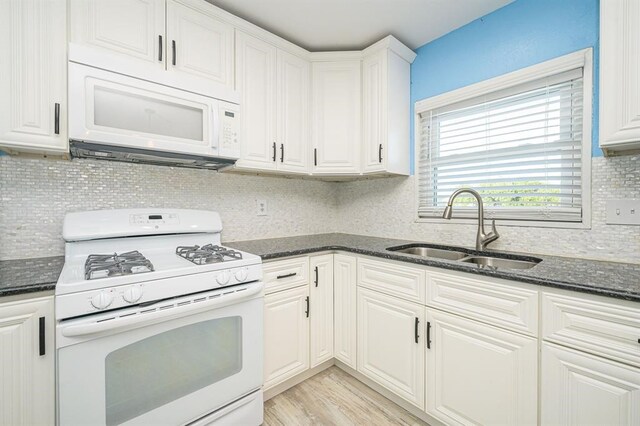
[(619, 280), (29, 275)]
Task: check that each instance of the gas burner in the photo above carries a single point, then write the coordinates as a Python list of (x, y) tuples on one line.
[(207, 254), (111, 265)]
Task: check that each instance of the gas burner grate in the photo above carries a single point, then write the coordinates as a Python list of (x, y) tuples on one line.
[(111, 265), (207, 254)]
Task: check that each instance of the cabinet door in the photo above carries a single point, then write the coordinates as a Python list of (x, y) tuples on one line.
[(336, 117), (292, 110), (201, 44), (128, 27), (27, 394), (344, 308), (619, 70), (33, 76), (255, 77), (580, 389), (321, 315), (286, 335), (391, 346), (374, 105), (478, 374)]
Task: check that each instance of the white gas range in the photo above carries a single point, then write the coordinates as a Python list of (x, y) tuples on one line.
[(157, 323)]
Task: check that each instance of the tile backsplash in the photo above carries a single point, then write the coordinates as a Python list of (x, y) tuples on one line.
[(387, 208), (36, 193)]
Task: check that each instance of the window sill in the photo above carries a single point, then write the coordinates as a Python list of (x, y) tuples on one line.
[(509, 223)]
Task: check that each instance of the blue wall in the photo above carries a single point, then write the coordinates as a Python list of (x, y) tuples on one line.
[(523, 33)]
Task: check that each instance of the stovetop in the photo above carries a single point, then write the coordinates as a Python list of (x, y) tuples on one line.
[(210, 253), (110, 265)]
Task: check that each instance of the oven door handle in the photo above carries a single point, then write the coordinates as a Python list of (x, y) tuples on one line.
[(161, 314)]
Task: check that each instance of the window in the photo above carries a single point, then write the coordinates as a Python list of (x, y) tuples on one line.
[(522, 141)]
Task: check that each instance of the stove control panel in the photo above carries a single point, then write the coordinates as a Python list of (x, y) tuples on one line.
[(154, 219)]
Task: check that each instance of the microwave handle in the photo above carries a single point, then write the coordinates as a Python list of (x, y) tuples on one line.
[(94, 327), (216, 142)]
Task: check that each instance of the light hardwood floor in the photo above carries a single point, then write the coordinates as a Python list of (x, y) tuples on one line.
[(333, 397)]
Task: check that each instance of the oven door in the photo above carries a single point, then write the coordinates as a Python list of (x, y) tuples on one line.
[(168, 364)]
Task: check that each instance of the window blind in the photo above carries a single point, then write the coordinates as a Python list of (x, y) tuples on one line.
[(520, 148)]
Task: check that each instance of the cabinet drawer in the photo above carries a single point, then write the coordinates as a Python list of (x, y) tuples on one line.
[(392, 278), (283, 274), (606, 327), (488, 300)]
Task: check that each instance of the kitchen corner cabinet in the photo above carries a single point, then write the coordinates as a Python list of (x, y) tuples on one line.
[(33, 76), (391, 345), (181, 36), (274, 86), (619, 70), (479, 374), (385, 112), (321, 309), (336, 115), (286, 335), (27, 363), (344, 309)]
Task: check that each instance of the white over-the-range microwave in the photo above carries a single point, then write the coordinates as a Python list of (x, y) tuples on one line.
[(114, 116)]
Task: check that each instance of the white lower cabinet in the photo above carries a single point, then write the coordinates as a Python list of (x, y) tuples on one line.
[(27, 362), (344, 309), (286, 335), (321, 309), (581, 389), (391, 346), (479, 374)]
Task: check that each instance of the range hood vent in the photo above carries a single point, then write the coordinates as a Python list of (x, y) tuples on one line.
[(81, 149)]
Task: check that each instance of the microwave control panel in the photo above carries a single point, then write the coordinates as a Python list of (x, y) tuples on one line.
[(229, 130)]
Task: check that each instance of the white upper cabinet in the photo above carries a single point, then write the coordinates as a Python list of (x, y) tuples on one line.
[(182, 36), (33, 76), (292, 111), (199, 44), (336, 126), (619, 70), (274, 87), (255, 77), (134, 28), (386, 107)]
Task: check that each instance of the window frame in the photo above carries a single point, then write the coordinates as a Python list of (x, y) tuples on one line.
[(579, 59)]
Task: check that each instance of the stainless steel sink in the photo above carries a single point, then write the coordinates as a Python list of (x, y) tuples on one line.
[(499, 263), (432, 252)]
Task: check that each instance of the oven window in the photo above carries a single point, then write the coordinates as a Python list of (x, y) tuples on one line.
[(157, 370)]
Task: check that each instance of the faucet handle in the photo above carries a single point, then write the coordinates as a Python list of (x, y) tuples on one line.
[(494, 231)]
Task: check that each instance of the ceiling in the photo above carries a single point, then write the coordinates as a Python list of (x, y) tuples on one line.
[(320, 25)]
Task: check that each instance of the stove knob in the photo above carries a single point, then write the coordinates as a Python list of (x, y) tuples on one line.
[(223, 277), (102, 300), (241, 275), (132, 294)]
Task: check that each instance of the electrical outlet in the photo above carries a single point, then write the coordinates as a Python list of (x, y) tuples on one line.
[(262, 206), (623, 212)]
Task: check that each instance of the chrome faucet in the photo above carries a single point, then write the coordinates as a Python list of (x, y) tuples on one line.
[(482, 239)]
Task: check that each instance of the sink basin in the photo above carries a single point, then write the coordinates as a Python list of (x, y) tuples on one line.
[(431, 252), (500, 263)]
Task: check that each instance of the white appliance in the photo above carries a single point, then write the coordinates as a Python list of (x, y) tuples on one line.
[(113, 116), (156, 323)]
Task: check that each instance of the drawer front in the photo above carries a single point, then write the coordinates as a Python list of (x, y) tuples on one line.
[(392, 278), (488, 300), (604, 327), (283, 274)]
